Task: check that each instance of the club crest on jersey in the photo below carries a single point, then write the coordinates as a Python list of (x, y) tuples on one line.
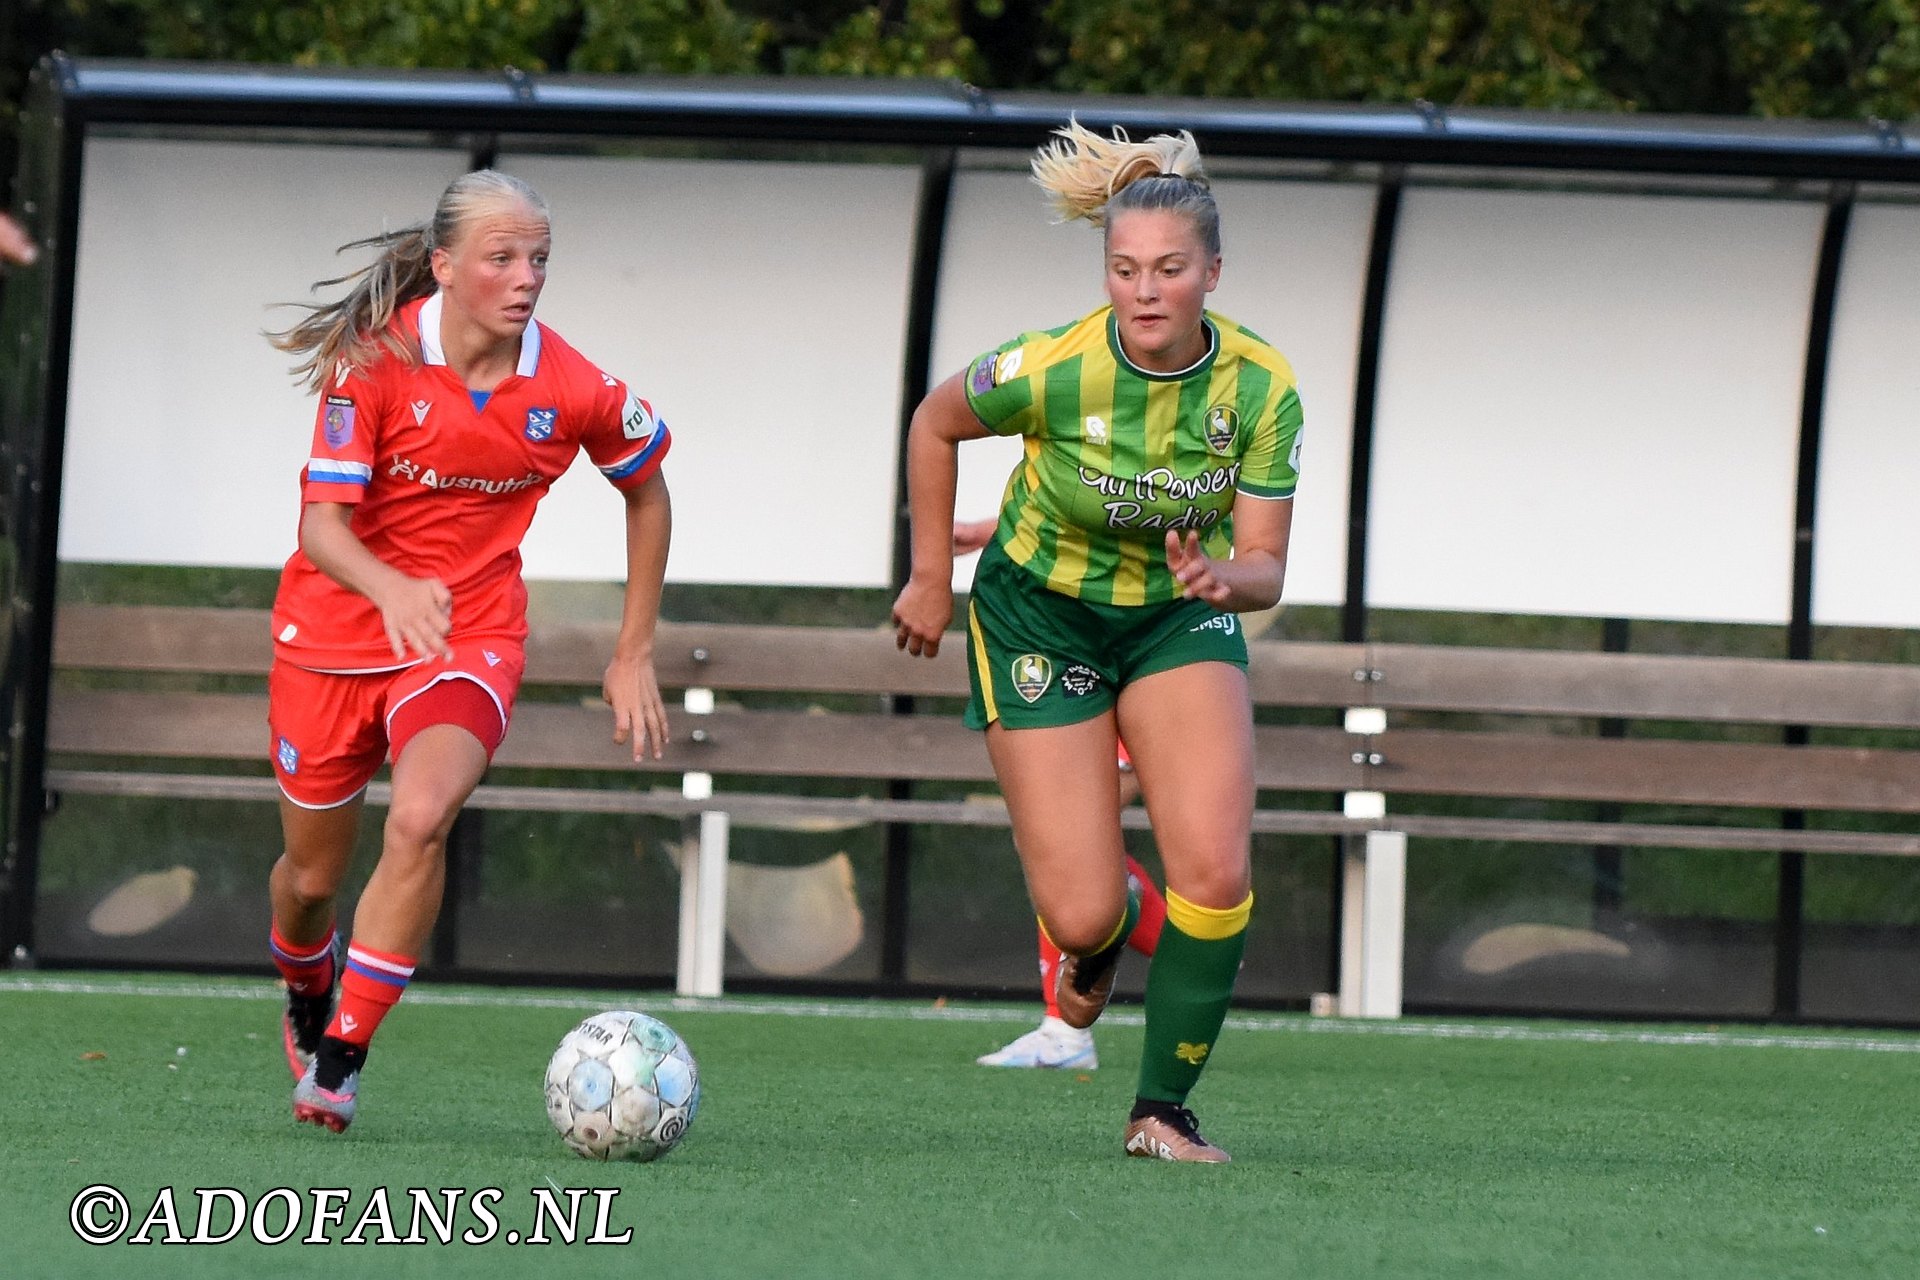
[(540, 424), (339, 421), (1222, 424), (289, 757), (1031, 675)]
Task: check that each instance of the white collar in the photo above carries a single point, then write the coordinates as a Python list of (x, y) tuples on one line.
[(431, 352)]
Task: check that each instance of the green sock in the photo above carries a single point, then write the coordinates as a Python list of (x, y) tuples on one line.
[(1189, 987)]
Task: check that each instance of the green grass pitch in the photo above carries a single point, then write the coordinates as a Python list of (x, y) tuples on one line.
[(846, 1139)]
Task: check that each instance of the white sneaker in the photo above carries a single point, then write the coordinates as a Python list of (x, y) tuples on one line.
[(1052, 1044)]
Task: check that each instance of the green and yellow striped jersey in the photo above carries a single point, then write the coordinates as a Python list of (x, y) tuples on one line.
[(1116, 455)]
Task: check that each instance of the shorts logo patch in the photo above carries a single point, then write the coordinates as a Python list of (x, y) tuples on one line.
[(1079, 680), (1031, 675), (540, 424), (289, 756), (980, 379), (1222, 425), (339, 421), (1218, 622), (493, 659)]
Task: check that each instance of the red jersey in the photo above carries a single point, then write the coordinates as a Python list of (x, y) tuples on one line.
[(443, 489)]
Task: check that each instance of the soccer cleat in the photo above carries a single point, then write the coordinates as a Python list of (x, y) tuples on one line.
[(1052, 1044), (1171, 1135), (306, 1017), (1080, 1009), (330, 1108)]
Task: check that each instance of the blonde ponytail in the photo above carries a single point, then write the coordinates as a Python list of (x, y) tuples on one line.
[(354, 329), (1085, 173)]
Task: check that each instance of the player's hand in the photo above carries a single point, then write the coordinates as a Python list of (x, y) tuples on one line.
[(1193, 569), (971, 535), (921, 615), (633, 692), (15, 246), (418, 616)]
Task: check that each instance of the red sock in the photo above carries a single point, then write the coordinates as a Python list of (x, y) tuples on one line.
[(306, 967), (371, 986), (1153, 911), (1049, 974)]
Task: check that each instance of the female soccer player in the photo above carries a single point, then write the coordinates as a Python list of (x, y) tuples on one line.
[(446, 410), (1152, 505)]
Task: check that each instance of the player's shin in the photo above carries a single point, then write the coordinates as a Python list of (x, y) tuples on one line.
[(1189, 988)]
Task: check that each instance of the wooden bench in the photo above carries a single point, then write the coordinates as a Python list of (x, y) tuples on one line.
[(1385, 730)]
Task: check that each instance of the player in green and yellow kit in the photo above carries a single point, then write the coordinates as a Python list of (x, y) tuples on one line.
[(1152, 505)]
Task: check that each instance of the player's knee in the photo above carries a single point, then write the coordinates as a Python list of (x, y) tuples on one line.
[(1217, 882), (308, 886), (1080, 928), (417, 827)]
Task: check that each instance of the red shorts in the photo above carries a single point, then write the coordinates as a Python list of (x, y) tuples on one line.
[(329, 731)]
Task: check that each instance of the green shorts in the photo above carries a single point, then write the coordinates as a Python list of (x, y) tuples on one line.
[(1037, 658)]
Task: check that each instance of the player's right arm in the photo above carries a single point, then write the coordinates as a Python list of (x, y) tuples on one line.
[(416, 612), (925, 605)]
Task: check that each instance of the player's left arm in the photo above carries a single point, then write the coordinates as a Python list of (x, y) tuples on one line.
[(631, 687), (1252, 579)]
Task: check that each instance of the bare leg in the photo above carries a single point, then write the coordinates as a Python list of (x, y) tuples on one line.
[(432, 778), (1061, 794)]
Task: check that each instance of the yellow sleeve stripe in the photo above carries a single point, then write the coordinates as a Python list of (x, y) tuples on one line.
[(1209, 924)]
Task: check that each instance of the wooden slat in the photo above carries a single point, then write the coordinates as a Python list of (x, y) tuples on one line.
[(161, 638), (1644, 686), (751, 809), (837, 660), (1647, 771), (227, 726)]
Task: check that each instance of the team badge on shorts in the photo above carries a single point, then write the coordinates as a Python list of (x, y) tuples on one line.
[(1031, 675), (1222, 425), (289, 757), (1079, 680), (540, 424)]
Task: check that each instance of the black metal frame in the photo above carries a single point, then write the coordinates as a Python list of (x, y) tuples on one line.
[(71, 97)]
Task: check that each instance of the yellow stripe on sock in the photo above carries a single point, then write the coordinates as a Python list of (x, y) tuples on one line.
[(980, 660), (1209, 924), (1119, 930)]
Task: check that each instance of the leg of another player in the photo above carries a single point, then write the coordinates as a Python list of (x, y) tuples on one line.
[(1153, 906), (1059, 787), (1191, 733)]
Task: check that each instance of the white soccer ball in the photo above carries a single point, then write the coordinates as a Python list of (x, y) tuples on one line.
[(622, 1086)]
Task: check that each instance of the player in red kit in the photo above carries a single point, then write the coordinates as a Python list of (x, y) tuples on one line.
[(446, 410)]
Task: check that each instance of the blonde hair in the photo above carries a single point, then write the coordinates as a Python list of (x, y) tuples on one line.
[(354, 330), (1093, 177)]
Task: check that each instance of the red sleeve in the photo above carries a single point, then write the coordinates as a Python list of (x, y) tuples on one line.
[(625, 438), (340, 464)]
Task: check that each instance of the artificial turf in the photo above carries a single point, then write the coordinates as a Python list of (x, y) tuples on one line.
[(858, 1139)]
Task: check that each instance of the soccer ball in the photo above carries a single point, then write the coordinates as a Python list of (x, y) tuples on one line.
[(622, 1086)]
